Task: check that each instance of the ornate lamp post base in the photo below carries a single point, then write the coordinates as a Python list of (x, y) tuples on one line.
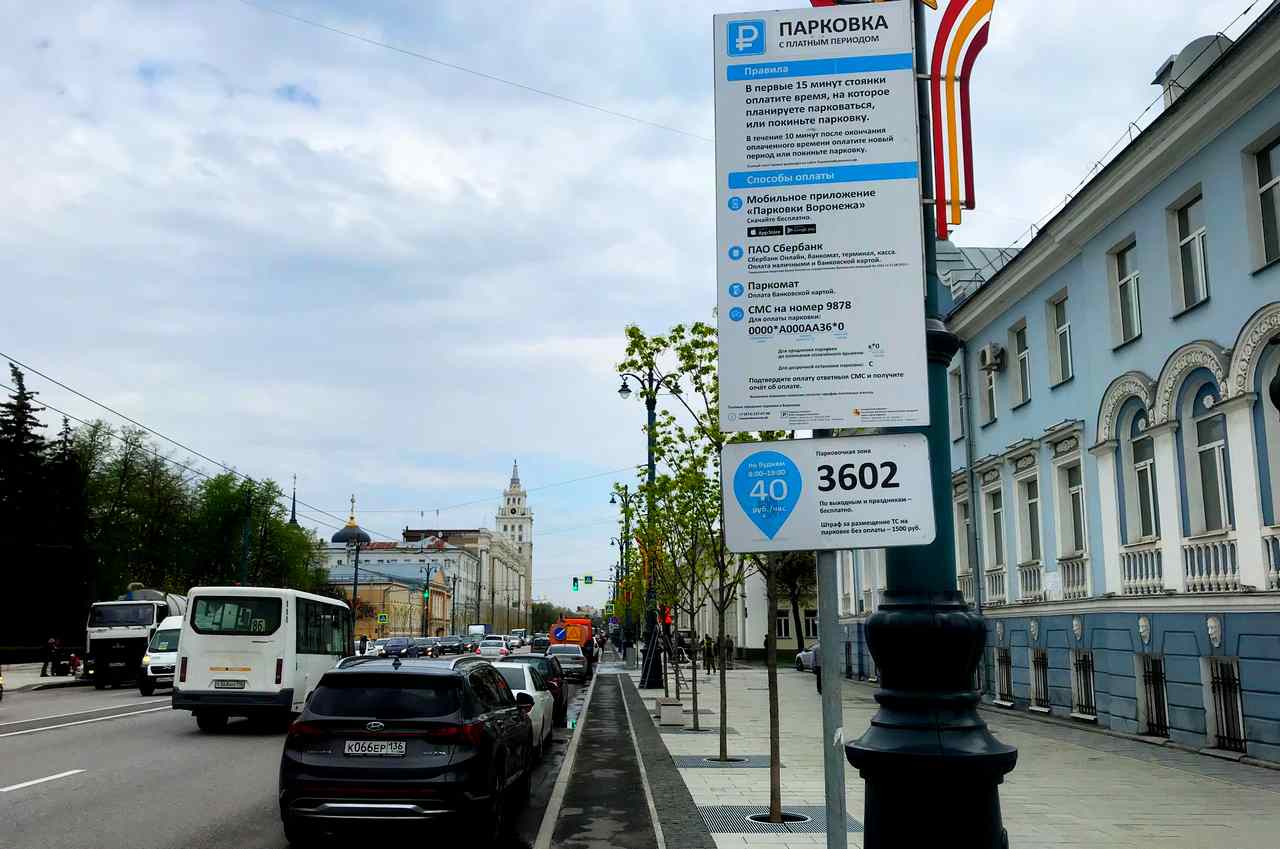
[(932, 769)]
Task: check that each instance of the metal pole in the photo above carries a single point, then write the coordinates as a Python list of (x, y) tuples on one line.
[(830, 641), (927, 748), (355, 585)]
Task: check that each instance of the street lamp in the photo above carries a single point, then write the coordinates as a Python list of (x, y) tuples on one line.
[(353, 537)]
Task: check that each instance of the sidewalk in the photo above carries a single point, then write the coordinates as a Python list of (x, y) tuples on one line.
[(1071, 788), (26, 676)]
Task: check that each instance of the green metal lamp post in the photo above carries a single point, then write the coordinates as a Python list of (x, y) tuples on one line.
[(927, 750)]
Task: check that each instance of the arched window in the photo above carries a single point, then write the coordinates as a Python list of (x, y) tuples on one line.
[(1137, 463), (1203, 437)]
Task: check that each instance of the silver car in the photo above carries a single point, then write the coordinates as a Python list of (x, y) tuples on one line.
[(807, 659), (493, 647)]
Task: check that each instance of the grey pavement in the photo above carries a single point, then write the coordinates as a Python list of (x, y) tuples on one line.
[(26, 676), (1073, 787)]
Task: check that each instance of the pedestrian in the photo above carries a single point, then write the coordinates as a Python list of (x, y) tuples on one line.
[(708, 655), (50, 657), (728, 652)]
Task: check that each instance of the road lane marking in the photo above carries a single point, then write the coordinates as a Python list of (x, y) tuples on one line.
[(79, 712), (13, 787), (81, 722)]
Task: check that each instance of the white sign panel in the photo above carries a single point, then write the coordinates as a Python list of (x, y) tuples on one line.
[(820, 241), (822, 494)]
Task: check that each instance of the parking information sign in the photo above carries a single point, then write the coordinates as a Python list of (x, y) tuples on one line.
[(820, 247), (823, 494)]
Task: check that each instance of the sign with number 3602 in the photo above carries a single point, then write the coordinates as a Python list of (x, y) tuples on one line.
[(824, 494)]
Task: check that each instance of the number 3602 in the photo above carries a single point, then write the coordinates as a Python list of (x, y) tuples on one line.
[(853, 475)]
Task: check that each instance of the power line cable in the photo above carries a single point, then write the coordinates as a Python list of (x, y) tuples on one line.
[(492, 77), (166, 438)]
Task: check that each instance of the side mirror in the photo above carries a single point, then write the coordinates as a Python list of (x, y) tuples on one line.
[(524, 701)]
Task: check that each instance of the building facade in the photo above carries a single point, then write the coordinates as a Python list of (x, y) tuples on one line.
[(1116, 430), (454, 574)]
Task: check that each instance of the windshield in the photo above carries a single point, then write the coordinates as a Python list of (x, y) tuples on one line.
[(385, 696), (105, 615), (236, 615), (514, 678), (166, 640), (569, 650)]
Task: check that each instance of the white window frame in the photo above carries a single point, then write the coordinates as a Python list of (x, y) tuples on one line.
[(783, 624), (1026, 556), (1196, 241), (1020, 345), (1067, 497), (963, 519), (810, 624), (1062, 369), (1272, 185), (989, 396), (1128, 291), (1145, 468), (1218, 448), (996, 553)]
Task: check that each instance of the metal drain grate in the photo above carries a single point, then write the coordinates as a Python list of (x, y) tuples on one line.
[(714, 729), (702, 762), (732, 819)]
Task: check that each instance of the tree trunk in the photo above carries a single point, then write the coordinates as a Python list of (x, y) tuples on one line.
[(795, 620), (724, 690), (693, 681), (771, 659)]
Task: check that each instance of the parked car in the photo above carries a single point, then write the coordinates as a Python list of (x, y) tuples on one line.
[(554, 674), (426, 646), (493, 647), (405, 741), (807, 659), (525, 679), (572, 660), (540, 644), (374, 648), (450, 645), (396, 647)]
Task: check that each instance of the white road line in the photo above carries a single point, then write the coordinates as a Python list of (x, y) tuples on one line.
[(79, 712), (81, 722), (13, 787)]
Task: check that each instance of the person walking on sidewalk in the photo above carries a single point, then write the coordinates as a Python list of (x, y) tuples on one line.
[(50, 657), (708, 655), (728, 652)]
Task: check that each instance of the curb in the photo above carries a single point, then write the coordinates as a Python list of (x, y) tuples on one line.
[(549, 817), (51, 685)]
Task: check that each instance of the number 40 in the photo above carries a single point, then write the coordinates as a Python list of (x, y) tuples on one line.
[(777, 490)]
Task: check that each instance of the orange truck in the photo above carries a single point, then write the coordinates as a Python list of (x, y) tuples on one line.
[(574, 632)]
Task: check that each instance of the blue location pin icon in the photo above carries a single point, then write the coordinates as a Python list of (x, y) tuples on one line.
[(767, 485)]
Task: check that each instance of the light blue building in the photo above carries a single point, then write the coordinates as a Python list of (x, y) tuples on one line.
[(1116, 439)]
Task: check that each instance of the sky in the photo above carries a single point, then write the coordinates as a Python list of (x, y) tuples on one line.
[(301, 253)]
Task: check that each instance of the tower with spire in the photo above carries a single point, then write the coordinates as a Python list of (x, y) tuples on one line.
[(515, 522), (293, 504)]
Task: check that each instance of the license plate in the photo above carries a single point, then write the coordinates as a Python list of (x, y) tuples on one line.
[(166, 679), (227, 684), (375, 748)]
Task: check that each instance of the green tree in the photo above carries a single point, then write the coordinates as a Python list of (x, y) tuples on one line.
[(797, 578)]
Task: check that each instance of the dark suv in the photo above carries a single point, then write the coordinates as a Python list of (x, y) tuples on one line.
[(450, 645), (406, 741)]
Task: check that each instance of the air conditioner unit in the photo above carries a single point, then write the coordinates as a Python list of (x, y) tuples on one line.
[(991, 357)]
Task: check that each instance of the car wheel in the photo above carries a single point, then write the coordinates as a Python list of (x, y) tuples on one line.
[(799, 665), (208, 721), (496, 813), (99, 685)]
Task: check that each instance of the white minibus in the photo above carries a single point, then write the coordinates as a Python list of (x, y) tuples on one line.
[(255, 651)]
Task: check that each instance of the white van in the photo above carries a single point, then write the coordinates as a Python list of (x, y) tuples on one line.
[(255, 651), (161, 659)]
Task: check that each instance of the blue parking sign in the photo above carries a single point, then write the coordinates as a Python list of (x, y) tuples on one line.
[(746, 38)]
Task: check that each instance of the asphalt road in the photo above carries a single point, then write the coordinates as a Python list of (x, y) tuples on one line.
[(106, 769)]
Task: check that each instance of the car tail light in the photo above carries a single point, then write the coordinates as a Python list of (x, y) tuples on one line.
[(477, 650), (182, 672), (467, 732), (303, 736), (503, 651), (279, 669)]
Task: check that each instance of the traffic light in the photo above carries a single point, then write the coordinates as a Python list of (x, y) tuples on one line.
[(426, 592), (666, 616), (575, 585)]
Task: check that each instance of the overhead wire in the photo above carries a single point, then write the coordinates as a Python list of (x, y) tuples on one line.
[(482, 74)]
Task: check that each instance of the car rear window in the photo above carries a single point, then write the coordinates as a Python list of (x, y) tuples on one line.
[(385, 696), (235, 615), (570, 650), (514, 678)]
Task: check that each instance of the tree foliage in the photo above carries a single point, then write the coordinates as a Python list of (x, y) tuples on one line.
[(101, 507)]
